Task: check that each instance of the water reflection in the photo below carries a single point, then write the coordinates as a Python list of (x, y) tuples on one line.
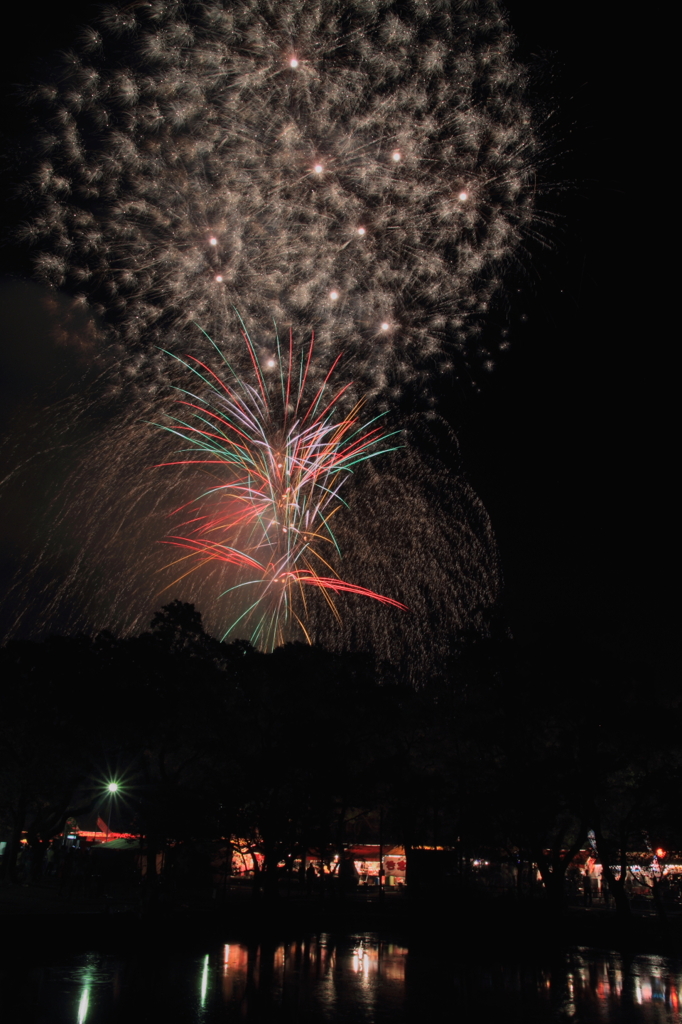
[(84, 1003), (204, 981), (316, 976), (360, 977), (586, 985)]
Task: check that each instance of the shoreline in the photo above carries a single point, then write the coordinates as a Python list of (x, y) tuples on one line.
[(473, 921)]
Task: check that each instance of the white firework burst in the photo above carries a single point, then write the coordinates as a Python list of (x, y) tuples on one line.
[(363, 169)]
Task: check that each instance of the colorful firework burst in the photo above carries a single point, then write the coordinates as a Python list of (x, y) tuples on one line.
[(281, 459)]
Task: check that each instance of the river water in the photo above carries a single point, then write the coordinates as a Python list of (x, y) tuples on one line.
[(361, 978)]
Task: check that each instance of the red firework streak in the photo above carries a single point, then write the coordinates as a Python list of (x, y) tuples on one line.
[(279, 461)]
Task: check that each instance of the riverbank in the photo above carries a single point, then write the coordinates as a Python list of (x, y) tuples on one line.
[(92, 920)]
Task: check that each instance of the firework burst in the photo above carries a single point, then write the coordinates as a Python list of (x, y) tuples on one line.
[(361, 169), (281, 460)]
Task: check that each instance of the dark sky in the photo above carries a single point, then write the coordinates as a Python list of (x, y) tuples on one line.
[(567, 442)]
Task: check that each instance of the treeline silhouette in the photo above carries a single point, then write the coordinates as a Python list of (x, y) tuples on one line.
[(510, 752)]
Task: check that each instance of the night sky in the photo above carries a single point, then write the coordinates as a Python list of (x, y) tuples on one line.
[(566, 442)]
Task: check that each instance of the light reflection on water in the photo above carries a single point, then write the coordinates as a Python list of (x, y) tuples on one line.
[(361, 978)]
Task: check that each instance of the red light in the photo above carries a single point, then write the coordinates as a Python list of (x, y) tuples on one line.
[(661, 853)]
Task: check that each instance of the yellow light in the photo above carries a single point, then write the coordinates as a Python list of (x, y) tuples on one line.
[(397, 156)]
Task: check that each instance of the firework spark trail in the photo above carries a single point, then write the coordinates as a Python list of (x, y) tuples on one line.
[(90, 557), (363, 168), (282, 460), (360, 168)]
